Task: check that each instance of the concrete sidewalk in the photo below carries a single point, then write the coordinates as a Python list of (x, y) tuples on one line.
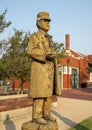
[(68, 112)]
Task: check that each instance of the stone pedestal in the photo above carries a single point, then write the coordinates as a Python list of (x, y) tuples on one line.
[(30, 125)]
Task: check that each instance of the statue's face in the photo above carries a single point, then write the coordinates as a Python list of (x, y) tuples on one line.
[(44, 24)]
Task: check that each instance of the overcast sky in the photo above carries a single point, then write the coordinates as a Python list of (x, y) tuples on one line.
[(72, 17)]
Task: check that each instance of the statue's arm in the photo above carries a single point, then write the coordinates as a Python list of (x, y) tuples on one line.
[(34, 51)]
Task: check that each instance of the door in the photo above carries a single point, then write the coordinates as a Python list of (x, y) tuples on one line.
[(74, 78), (60, 75)]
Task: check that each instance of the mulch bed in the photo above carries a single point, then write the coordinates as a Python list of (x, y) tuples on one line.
[(16, 103)]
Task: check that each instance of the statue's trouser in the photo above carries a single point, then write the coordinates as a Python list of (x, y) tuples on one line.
[(41, 107)]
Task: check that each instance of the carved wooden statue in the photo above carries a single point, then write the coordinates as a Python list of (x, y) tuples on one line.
[(44, 80)]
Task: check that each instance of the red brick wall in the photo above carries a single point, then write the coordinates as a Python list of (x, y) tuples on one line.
[(17, 83), (81, 64), (67, 81)]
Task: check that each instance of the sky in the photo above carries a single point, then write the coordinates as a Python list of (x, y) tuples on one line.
[(72, 17)]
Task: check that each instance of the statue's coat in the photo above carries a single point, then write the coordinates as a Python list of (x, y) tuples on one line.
[(44, 79)]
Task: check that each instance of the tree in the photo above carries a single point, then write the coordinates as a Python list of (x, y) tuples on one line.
[(59, 49), (15, 61), (3, 23)]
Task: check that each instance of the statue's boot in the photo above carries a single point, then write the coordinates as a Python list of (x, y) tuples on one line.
[(47, 107), (37, 111), (50, 118), (40, 121)]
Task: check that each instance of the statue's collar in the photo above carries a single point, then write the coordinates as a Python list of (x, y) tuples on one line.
[(42, 32)]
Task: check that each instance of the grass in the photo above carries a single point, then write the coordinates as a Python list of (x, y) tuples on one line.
[(84, 125)]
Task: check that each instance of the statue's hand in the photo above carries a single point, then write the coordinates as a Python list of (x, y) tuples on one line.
[(51, 56)]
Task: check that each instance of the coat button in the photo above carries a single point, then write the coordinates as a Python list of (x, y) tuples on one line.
[(49, 69), (50, 77), (49, 86)]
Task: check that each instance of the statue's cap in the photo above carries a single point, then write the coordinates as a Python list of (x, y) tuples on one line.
[(43, 15)]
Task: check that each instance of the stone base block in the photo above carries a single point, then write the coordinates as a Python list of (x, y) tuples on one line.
[(30, 125)]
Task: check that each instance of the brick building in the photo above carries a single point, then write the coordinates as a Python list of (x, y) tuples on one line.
[(74, 69)]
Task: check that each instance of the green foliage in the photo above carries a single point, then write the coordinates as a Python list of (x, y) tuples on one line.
[(59, 49), (3, 47), (84, 125), (15, 62), (3, 23)]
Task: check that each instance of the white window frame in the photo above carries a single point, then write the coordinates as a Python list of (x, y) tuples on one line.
[(67, 70), (64, 69), (91, 77)]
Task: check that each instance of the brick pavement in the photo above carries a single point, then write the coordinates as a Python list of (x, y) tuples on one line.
[(81, 93)]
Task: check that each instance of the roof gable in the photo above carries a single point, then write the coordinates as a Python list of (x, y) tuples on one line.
[(75, 54)]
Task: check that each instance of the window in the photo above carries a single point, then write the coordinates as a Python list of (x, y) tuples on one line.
[(67, 70), (91, 77)]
